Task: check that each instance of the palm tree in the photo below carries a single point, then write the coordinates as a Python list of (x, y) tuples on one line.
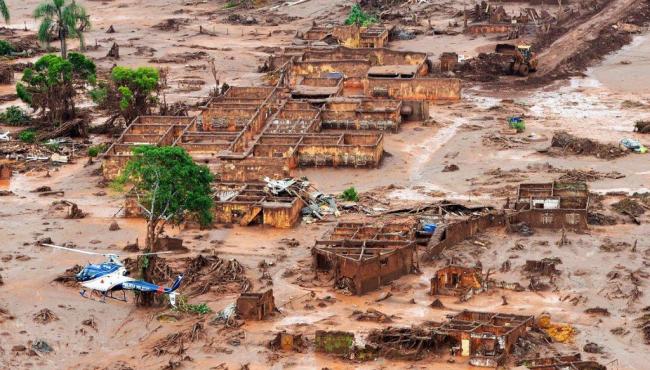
[(63, 18), (4, 11)]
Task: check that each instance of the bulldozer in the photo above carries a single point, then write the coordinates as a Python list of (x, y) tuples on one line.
[(523, 61)]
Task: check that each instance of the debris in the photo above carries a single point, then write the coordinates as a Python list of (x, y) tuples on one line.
[(227, 316), (174, 344), (384, 296), (599, 311), (288, 342), (450, 168), (582, 146), (114, 52), (629, 207), (545, 266), (371, 314), (437, 304), (68, 278), (110, 29), (633, 145), (592, 347), (642, 127), (256, 306), (171, 24), (561, 333), (45, 316), (90, 323), (42, 346), (114, 226)]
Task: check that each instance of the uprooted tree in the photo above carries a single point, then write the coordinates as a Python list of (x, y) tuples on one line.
[(129, 92), (170, 188), (51, 85)]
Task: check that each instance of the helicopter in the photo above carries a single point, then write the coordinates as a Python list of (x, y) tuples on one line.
[(111, 276)]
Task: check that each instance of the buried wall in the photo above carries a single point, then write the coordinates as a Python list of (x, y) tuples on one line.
[(429, 89), (569, 219), (457, 232)]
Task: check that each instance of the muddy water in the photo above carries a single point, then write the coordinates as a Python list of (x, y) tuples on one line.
[(627, 78)]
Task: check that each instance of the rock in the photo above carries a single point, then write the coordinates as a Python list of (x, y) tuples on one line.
[(450, 168), (114, 226), (41, 346), (591, 347), (46, 240)]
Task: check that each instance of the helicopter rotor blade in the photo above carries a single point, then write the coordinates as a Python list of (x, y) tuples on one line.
[(147, 253), (72, 249)]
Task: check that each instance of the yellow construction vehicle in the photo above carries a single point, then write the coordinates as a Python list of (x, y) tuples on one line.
[(524, 60)]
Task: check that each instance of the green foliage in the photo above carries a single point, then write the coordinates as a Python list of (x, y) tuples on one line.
[(96, 150), (52, 83), (359, 17), (27, 136), (170, 185), (231, 4), (129, 91), (350, 195), (197, 309), (62, 19), (4, 10), (14, 116), (5, 47), (99, 95)]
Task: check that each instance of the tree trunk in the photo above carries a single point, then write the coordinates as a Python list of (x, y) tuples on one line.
[(151, 235), (64, 46)]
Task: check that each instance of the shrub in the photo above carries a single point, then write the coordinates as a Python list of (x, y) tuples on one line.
[(96, 150), (27, 136), (6, 48), (350, 195), (198, 309), (14, 116), (359, 17)]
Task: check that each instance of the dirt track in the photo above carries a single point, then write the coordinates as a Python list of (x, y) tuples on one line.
[(567, 45)]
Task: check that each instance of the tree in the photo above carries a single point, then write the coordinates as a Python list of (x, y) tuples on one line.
[(129, 91), (4, 10), (62, 19), (52, 84), (169, 187)]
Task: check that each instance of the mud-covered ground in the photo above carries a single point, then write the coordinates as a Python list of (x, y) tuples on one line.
[(603, 105)]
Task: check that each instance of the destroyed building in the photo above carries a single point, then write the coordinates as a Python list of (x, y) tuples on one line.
[(256, 306), (486, 338), (560, 362), (556, 205), (362, 257), (458, 281), (352, 36)]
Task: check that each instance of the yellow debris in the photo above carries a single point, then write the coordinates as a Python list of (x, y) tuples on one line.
[(561, 332)]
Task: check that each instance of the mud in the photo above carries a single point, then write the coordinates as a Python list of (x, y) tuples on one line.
[(596, 295)]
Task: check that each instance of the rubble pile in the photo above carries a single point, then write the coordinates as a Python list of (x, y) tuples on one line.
[(68, 277), (45, 316), (583, 146), (174, 343), (485, 67), (205, 272)]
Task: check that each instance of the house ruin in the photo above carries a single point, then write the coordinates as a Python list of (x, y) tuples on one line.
[(363, 257), (256, 306), (458, 281), (556, 205)]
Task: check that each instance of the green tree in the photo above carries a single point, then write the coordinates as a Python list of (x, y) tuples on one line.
[(51, 85), (63, 19), (169, 187), (130, 91), (4, 10), (360, 18)]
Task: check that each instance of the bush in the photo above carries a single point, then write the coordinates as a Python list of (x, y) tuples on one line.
[(359, 17), (14, 116), (350, 195), (27, 136), (96, 150), (6, 48), (198, 309)]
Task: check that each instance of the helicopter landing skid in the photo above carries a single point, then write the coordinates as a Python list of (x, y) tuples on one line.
[(102, 295)]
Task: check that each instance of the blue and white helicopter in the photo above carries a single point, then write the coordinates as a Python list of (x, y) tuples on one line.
[(111, 276)]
